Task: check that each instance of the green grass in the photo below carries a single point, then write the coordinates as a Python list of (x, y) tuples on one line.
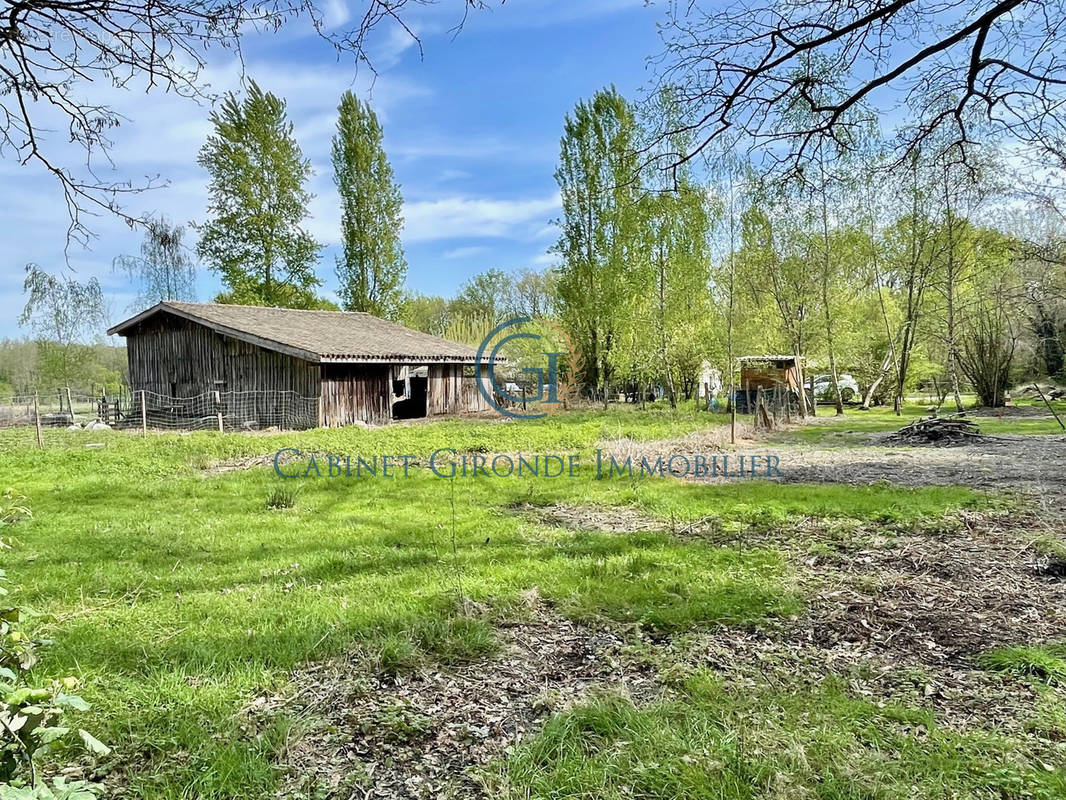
[(1045, 663), (177, 594), (737, 743)]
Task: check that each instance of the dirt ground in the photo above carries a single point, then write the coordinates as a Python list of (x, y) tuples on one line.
[(900, 614), (1033, 465), (427, 735)]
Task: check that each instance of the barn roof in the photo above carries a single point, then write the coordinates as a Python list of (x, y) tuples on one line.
[(318, 336)]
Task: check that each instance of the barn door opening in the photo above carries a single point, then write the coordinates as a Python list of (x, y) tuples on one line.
[(410, 392)]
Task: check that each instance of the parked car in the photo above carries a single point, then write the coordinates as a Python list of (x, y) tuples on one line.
[(823, 387)]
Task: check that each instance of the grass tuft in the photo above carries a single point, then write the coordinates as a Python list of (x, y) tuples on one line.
[(1046, 663), (282, 497)]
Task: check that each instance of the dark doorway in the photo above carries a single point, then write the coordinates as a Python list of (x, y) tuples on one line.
[(414, 405)]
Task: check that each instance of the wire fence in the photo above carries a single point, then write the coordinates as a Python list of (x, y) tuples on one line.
[(144, 410), (225, 411)]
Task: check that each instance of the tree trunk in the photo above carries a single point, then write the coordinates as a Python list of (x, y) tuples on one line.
[(663, 355), (949, 297), (798, 351), (886, 364)]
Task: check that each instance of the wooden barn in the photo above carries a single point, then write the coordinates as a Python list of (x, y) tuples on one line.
[(257, 362)]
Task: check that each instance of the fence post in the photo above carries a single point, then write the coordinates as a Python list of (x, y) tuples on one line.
[(70, 405), (732, 404), (37, 420), (218, 410), (281, 423), (144, 415)]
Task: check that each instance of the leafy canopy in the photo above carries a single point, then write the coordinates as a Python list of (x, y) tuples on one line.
[(258, 203)]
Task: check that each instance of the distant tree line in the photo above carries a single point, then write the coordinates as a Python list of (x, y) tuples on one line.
[(926, 272), (28, 366)]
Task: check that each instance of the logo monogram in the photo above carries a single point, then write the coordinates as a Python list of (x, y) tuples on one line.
[(545, 379)]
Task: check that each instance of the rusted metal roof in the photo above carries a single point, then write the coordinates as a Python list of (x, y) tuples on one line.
[(317, 336)]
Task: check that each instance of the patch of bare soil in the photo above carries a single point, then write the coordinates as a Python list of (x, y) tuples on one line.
[(1034, 465), (246, 463), (425, 735), (591, 518), (1014, 412), (905, 617), (902, 615), (936, 597)]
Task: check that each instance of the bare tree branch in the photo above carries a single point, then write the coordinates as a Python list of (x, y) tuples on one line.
[(957, 72), (50, 50)]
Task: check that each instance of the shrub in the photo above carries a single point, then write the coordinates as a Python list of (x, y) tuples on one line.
[(13, 507)]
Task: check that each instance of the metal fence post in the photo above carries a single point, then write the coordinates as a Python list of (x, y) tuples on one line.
[(218, 410), (37, 420), (144, 415)]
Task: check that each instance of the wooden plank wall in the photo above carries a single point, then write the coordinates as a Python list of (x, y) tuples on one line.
[(449, 392), (354, 393), (173, 356), (768, 377)]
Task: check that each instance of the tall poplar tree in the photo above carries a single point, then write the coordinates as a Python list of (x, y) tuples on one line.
[(373, 268), (255, 239), (601, 237)]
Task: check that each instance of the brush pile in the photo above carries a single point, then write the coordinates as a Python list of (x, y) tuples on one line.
[(937, 430)]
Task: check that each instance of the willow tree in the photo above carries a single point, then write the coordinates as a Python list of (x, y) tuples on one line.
[(255, 237), (598, 184), (372, 268), (64, 314), (164, 269)]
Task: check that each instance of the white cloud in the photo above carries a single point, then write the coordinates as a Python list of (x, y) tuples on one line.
[(432, 145), (470, 217), (337, 13), (452, 175), (465, 252)]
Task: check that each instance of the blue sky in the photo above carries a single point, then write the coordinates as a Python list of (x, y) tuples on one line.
[(472, 130)]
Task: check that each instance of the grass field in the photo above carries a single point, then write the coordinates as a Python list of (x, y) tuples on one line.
[(179, 578)]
